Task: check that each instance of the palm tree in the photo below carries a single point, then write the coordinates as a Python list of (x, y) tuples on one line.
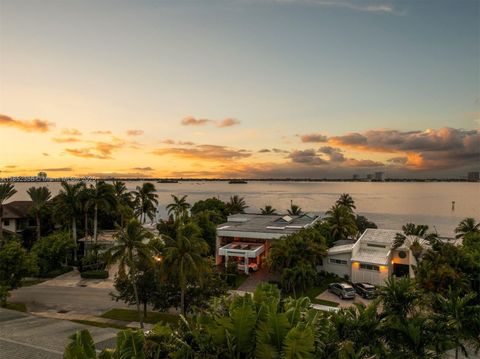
[(268, 210), (7, 190), (294, 210), (184, 258), (461, 318), (179, 208), (341, 222), (124, 200), (413, 237), (145, 202), (237, 204), (346, 200), (129, 248), (68, 203), (100, 196), (399, 297), (40, 197), (466, 227)]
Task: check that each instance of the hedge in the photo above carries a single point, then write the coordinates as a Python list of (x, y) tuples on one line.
[(95, 274)]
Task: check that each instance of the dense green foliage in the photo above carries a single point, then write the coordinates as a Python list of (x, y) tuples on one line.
[(15, 263), (95, 274), (52, 252)]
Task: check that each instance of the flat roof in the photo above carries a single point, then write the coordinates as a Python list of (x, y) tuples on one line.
[(269, 224), (376, 235)]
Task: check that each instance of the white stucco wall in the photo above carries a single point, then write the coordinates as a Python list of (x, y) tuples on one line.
[(369, 276), (338, 269), (12, 227)]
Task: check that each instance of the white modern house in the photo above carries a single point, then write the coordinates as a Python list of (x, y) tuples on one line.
[(370, 259), (246, 238)]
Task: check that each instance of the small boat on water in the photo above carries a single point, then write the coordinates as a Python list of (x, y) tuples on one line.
[(237, 181), (167, 181)]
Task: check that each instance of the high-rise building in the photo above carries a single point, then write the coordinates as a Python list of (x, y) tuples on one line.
[(42, 175), (473, 176), (379, 176)]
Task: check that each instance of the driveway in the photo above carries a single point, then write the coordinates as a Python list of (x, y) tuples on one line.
[(44, 297), (73, 279), (343, 303), (26, 336)]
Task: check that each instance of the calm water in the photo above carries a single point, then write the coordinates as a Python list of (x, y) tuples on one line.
[(390, 205)]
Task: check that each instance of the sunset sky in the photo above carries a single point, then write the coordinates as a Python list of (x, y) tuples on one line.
[(239, 88)]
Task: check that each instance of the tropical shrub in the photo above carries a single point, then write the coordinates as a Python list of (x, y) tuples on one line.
[(15, 264), (52, 252)]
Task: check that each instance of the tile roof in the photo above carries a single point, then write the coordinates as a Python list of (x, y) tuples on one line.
[(374, 235), (17, 209), (372, 256)]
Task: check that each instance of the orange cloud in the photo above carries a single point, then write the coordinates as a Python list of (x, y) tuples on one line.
[(65, 140), (203, 152), (192, 121), (71, 132), (228, 122), (27, 126), (134, 132)]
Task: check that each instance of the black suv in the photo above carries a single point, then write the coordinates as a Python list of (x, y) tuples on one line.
[(365, 290)]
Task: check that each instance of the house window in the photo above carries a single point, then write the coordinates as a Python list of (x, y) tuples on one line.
[(370, 267), (6, 222), (338, 261), (376, 245)]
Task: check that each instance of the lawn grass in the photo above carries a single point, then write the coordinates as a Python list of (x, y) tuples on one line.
[(99, 324), (19, 307), (130, 315), (31, 281), (314, 291)]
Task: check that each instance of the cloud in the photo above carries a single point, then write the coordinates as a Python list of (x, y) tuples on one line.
[(100, 149), (429, 149), (264, 150), (204, 152), (228, 122), (115, 175), (56, 169), (169, 141), (279, 150), (334, 154), (381, 7), (45, 154), (192, 121), (313, 137), (307, 157), (27, 126), (71, 132), (102, 132), (134, 132), (11, 166), (65, 139), (146, 169)]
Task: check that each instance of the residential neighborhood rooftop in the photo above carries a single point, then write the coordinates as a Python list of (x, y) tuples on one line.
[(16, 209), (274, 224)]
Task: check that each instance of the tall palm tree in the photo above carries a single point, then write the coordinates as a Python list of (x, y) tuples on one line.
[(467, 226), (414, 238), (101, 196), (294, 210), (84, 198), (179, 208), (68, 203), (130, 247), (7, 190), (40, 197), (341, 222), (237, 204), (185, 258), (461, 318), (145, 201), (268, 210), (346, 200), (124, 200)]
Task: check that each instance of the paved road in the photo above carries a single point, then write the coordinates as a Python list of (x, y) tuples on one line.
[(39, 298), (24, 336)]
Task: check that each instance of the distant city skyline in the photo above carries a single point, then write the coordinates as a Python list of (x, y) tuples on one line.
[(240, 88)]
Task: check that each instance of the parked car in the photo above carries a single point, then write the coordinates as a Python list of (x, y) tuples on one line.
[(343, 290), (252, 267), (365, 290)]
